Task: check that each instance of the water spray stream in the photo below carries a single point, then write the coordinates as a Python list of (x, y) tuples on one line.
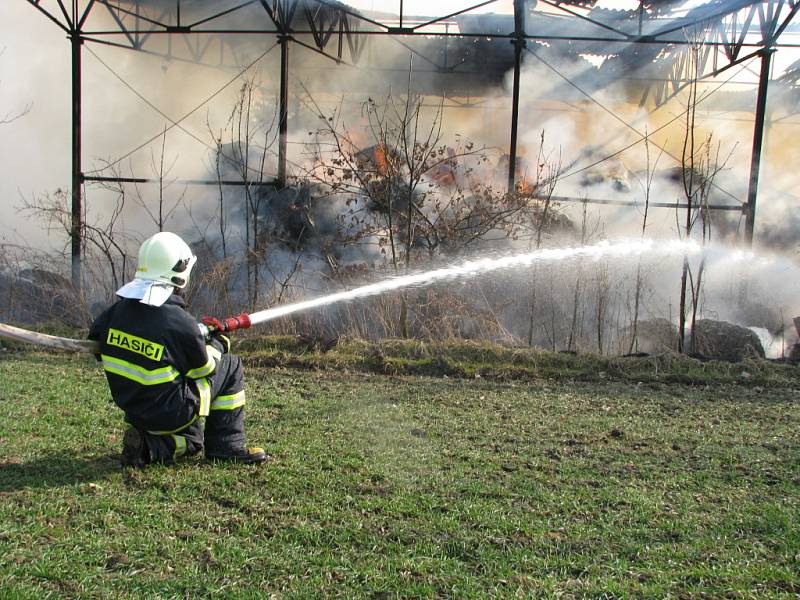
[(605, 249), (620, 250)]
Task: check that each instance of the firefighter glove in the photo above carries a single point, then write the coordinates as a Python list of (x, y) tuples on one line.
[(213, 324), (221, 342)]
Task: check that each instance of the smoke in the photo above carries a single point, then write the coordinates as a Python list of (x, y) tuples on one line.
[(32, 144), (35, 69), (581, 120)]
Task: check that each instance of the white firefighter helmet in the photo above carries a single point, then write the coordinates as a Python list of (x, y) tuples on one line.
[(165, 258)]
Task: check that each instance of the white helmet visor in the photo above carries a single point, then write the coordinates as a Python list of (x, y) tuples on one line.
[(182, 270)]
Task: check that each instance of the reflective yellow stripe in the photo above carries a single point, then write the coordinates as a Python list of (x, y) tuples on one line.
[(135, 344), (213, 353), (181, 428), (205, 396), (228, 402), (203, 371), (180, 445), (138, 374)]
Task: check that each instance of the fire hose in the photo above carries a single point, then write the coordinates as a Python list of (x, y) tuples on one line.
[(51, 341), (208, 327)]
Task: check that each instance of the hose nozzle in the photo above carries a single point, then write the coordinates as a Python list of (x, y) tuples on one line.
[(241, 321)]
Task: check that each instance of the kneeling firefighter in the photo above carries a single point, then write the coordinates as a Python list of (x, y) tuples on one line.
[(166, 371)]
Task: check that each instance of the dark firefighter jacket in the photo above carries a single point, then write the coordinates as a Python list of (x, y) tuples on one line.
[(156, 362)]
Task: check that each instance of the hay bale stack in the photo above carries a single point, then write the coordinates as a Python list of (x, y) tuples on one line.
[(725, 341)]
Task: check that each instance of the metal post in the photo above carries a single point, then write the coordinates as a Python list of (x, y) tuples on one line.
[(519, 46), (283, 109), (758, 141), (76, 230)]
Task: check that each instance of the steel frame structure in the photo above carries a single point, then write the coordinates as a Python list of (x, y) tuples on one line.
[(722, 35)]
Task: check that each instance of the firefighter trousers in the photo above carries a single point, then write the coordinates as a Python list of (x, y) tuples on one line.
[(223, 434)]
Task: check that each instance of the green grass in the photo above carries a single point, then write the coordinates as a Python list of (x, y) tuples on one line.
[(385, 485), (489, 361)]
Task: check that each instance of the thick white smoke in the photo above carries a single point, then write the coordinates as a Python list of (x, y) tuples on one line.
[(579, 130)]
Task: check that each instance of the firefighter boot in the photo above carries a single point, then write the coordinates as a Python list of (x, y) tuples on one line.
[(250, 456), (135, 453)]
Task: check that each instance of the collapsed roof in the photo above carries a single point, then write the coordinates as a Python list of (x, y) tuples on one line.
[(466, 53)]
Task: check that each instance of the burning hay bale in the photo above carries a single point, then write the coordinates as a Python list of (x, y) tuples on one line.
[(715, 340), (379, 160), (610, 171), (288, 215), (725, 341)]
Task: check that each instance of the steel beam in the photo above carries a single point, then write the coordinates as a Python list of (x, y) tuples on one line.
[(758, 141), (283, 111), (76, 228), (47, 14), (199, 182), (519, 46), (740, 208)]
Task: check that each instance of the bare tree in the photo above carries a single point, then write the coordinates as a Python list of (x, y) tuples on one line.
[(106, 244), (249, 143), (163, 208), (602, 301), (539, 193), (221, 217), (405, 185), (700, 164), (647, 185)]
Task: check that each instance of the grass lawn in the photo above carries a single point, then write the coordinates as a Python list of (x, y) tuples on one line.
[(393, 484)]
